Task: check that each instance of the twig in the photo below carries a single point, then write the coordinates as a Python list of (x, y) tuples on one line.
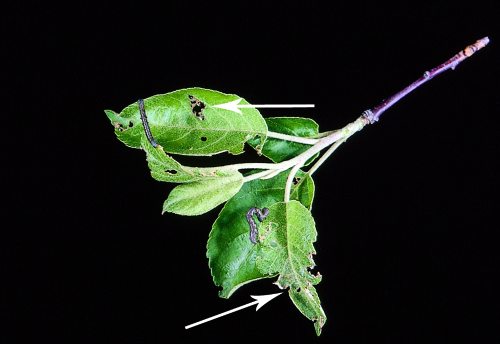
[(326, 155), (339, 136), (373, 115)]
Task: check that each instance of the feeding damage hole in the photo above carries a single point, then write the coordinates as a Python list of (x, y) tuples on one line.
[(171, 172), (203, 138), (197, 107), (120, 127)]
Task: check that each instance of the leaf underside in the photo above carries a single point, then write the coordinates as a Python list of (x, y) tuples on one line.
[(201, 196)]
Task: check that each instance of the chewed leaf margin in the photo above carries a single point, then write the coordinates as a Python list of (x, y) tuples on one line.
[(287, 249), (231, 254)]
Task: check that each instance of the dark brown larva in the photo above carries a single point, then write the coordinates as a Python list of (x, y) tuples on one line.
[(145, 123), (261, 215)]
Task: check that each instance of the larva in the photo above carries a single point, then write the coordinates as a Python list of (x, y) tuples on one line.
[(145, 123), (261, 215)]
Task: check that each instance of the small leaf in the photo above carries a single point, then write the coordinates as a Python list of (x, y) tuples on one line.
[(231, 254), (303, 189), (307, 301), (196, 198), (166, 169), (287, 249), (182, 127), (279, 150)]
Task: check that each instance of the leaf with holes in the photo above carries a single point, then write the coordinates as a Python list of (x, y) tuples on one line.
[(231, 254), (166, 169), (287, 249), (185, 122)]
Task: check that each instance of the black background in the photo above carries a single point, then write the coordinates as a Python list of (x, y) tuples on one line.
[(405, 210)]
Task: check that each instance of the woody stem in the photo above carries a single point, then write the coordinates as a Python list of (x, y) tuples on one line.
[(373, 114)]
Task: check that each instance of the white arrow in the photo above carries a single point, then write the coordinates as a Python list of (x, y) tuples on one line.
[(233, 106), (261, 300)]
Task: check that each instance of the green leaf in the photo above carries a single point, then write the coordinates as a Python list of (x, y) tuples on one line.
[(166, 169), (307, 301), (231, 254), (196, 198), (280, 150), (302, 189), (181, 129), (287, 239)]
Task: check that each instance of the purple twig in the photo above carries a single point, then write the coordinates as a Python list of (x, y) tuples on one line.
[(373, 115)]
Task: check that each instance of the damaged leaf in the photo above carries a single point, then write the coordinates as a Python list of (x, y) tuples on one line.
[(164, 168), (231, 254), (185, 122), (287, 249)]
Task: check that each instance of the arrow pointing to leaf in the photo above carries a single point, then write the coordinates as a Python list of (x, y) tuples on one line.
[(261, 301), (233, 106)]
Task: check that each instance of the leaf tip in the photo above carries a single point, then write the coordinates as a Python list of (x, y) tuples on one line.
[(318, 324)]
